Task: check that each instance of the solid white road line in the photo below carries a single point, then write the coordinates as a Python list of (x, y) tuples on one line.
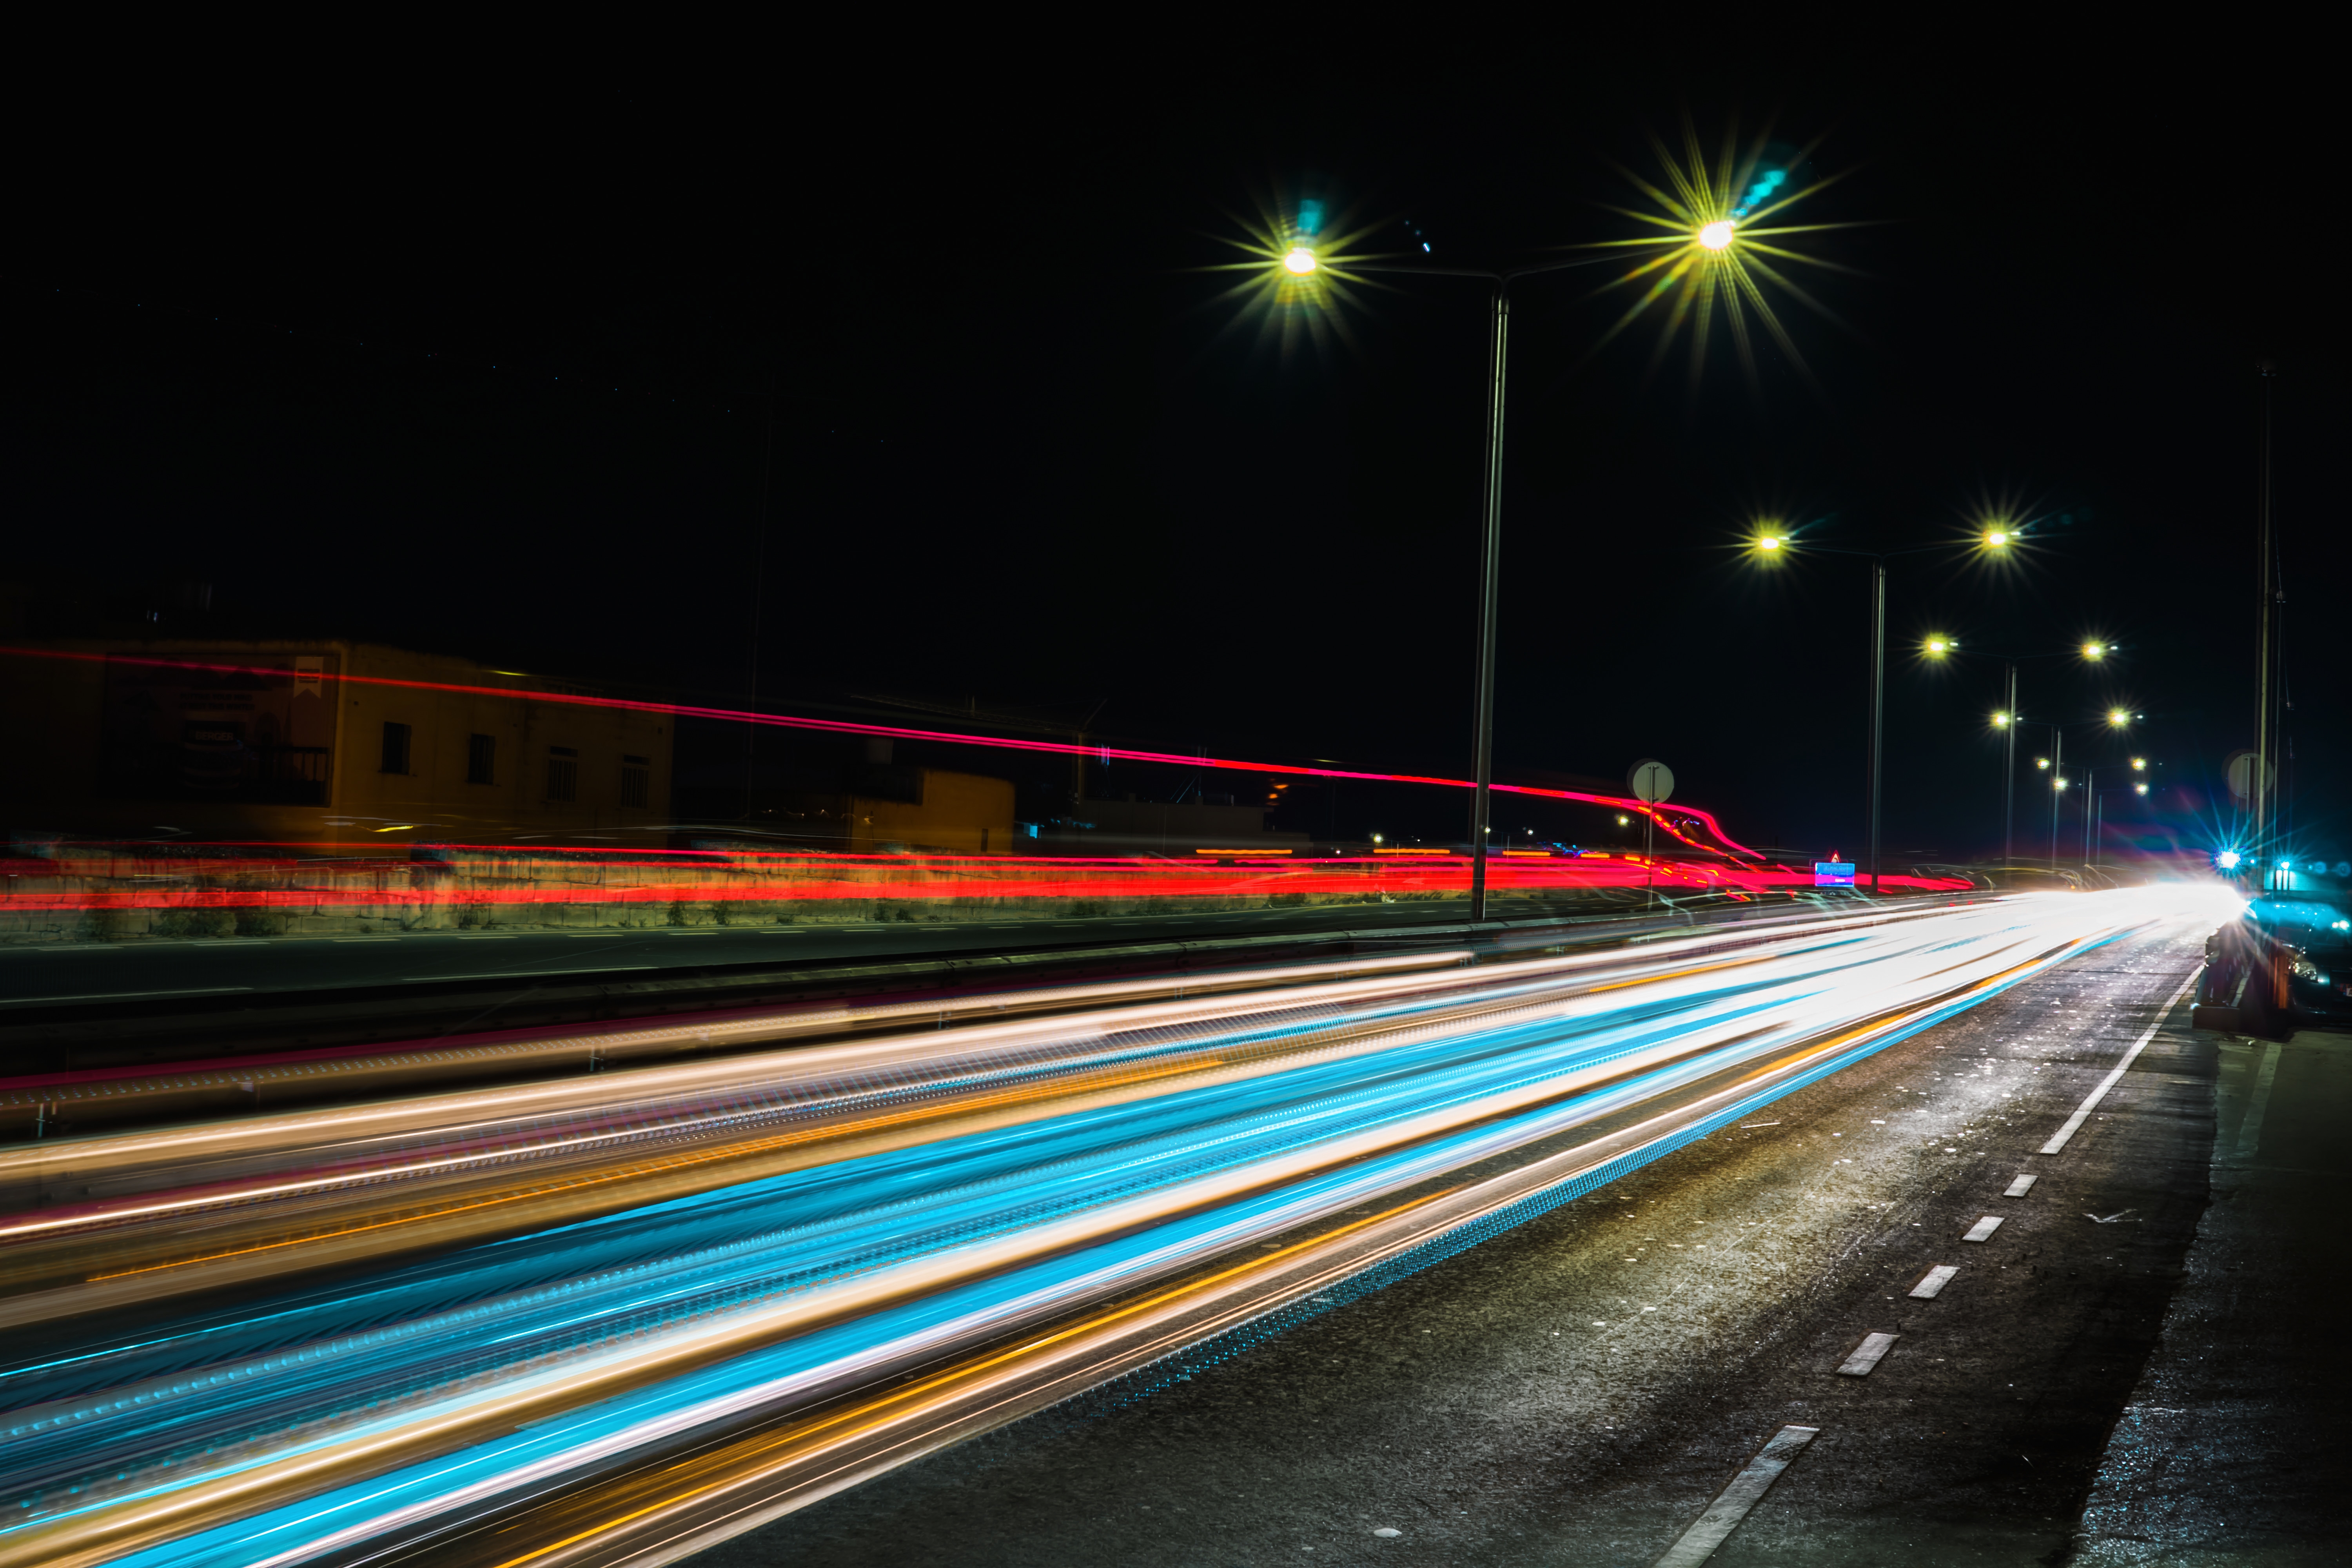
[(2249, 1131), (1867, 1354), (2020, 1188), (1937, 1278), (1732, 1503), (1983, 1230), (2091, 1103)]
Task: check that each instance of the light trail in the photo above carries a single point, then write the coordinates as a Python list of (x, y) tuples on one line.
[(812, 1263), (1665, 819)]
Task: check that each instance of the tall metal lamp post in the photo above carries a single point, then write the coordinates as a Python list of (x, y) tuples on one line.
[(2008, 718), (1300, 260), (1774, 543)]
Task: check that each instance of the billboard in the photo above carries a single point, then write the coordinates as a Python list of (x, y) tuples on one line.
[(258, 727)]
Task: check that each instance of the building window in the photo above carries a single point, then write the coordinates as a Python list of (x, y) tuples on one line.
[(481, 759), (395, 748), (562, 773), (636, 780)]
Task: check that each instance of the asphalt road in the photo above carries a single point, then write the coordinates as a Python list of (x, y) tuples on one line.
[(52, 972), (522, 1310), (1576, 1391), (2231, 1449)]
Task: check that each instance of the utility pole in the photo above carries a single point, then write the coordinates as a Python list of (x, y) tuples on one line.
[(2259, 774), (2009, 773), (1490, 581), (1877, 704), (2057, 794)]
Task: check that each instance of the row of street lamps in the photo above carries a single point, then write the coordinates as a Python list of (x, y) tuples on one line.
[(1773, 545), (1712, 241)]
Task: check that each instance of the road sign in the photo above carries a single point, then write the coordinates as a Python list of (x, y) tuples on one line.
[(2240, 770), (1833, 873), (1650, 780)]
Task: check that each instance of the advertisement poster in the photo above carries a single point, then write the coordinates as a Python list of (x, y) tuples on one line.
[(253, 728)]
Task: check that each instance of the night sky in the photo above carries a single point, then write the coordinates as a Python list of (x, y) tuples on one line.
[(517, 371)]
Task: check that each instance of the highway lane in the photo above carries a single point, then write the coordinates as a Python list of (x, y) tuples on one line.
[(917, 1204), (1573, 1393)]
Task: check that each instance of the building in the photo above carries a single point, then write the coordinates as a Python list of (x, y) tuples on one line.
[(886, 809), (319, 743), (1133, 826)]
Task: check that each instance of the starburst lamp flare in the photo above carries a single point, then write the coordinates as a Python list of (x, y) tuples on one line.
[(1720, 244)]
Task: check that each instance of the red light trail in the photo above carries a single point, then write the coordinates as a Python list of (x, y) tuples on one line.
[(1673, 821)]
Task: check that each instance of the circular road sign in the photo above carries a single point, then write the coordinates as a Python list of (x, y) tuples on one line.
[(1650, 780), (2240, 770)]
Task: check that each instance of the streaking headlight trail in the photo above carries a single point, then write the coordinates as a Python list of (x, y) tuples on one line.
[(638, 1311)]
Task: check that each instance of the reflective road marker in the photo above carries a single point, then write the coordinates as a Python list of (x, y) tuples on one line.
[(1867, 1354), (1983, 1230), (1732, 1503), (2091, 1103), (1937, 1278), (2020, 1188)]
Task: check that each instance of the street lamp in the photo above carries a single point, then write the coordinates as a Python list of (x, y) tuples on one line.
[(2008, 718), (1937, 646), (1696, 254), (1490, 567), (2096, 805)]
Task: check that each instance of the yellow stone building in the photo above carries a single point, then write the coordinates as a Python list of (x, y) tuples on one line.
[(319, 743)]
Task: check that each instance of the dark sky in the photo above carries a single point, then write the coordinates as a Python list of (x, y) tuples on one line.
[(496, 366)]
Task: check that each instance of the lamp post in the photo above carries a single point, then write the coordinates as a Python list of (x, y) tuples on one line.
[(2099, 805), (2116, 719), (2008, 718), (1775, 545), (1300, 261), (1705, 251)]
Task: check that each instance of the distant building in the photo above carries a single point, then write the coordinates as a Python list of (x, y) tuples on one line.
[(317, 742), (894, 810), (1162, 828)]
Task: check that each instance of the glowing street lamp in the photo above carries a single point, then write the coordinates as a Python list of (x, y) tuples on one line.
[(1998, 538), (1299, 276), (1936, 647), (1286, 271)]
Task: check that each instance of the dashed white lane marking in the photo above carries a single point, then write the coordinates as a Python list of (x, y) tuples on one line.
[(2091, 1102), (1867, 1354), (1983, 1230), (2020, 1188), (1731, 1504), (2249, 1131), (1937, 1278), (1750, 1126)]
